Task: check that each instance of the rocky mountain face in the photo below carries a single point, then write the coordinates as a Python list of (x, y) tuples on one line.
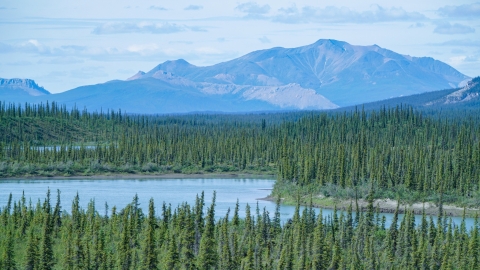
[(458, 99), (20, 88), (325, 75), (469, 93)]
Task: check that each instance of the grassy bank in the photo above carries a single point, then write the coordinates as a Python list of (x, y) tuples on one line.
[(71, 169), (329, 196)]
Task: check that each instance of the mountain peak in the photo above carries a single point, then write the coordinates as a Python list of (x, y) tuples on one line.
[(138, 75), (28, 86)]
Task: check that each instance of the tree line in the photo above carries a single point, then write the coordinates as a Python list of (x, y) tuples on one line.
[(43, 236), (394, 148)]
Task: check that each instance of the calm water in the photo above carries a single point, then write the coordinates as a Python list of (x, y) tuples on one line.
[(170, 191)]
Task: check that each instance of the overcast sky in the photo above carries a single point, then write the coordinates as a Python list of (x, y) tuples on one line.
[(65, 44)]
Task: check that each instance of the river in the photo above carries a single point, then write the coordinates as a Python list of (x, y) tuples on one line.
[(120, 192)]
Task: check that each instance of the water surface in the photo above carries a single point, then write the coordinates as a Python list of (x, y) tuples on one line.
[(120, 192)]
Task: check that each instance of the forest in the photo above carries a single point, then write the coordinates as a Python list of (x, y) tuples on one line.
[(398, 152), (401, 151), (42, 236)]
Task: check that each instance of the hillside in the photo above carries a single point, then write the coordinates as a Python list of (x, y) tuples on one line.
[(458, 99)]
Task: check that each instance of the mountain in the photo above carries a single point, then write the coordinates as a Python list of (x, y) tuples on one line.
[(20, 89), (343, 73), (324, 75), (464, 98)]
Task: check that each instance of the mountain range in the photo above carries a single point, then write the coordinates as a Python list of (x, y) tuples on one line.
[(324, 75)]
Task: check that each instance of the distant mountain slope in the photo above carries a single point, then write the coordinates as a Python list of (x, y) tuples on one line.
[(20, 89), (323, 75), (451, 99), (152, 96)]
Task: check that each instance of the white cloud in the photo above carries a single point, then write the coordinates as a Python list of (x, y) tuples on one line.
[(181, 42), (334, 14), (264, 39), (457, 51), (253, 10), (462, 11), (457, 60), (143, 48), (61, 60), (6, 48), (209, 50), (452, 29), (459, 42), (157, 8), (88, 72), (193, 7), (417, 25), (142, 27), (70, 54), (20, 63)]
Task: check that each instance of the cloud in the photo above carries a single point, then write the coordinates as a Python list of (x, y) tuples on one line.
[(468, 10), (221, 39), (209, 51), (253, 10), (5, 48), (472, 58), (197, 29), (193, 7), (61, 60), (136, 52), (417, 25), (181, 42), (143, 48), (452, 29), (157, 8), (264, 39), (126, 71), (88, 72), (142, 27), (54, 74), (456, 51), (20, 63), (333, 14), (459, 42), (36, 47)]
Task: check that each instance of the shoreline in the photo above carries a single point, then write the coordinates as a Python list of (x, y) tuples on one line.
[(320, 201), (146, 176), (384, 206)]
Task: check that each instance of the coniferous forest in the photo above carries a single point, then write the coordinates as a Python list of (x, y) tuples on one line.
[(42, 236), (401, 151), (395, 152)]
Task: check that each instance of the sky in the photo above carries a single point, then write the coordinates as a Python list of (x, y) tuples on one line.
[(66, 44)]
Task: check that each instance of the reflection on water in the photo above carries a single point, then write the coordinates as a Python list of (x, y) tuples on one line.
[(170, 191)]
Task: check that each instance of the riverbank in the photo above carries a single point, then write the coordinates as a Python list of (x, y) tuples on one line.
[(383, 205), (147, 176)]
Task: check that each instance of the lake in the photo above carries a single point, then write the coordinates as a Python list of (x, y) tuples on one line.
[(120, 192)]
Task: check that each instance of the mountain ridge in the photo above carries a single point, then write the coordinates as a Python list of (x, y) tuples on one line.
[(345, 68), (324, 75)]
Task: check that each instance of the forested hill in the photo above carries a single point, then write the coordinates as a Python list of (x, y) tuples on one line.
[(400, 150)]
